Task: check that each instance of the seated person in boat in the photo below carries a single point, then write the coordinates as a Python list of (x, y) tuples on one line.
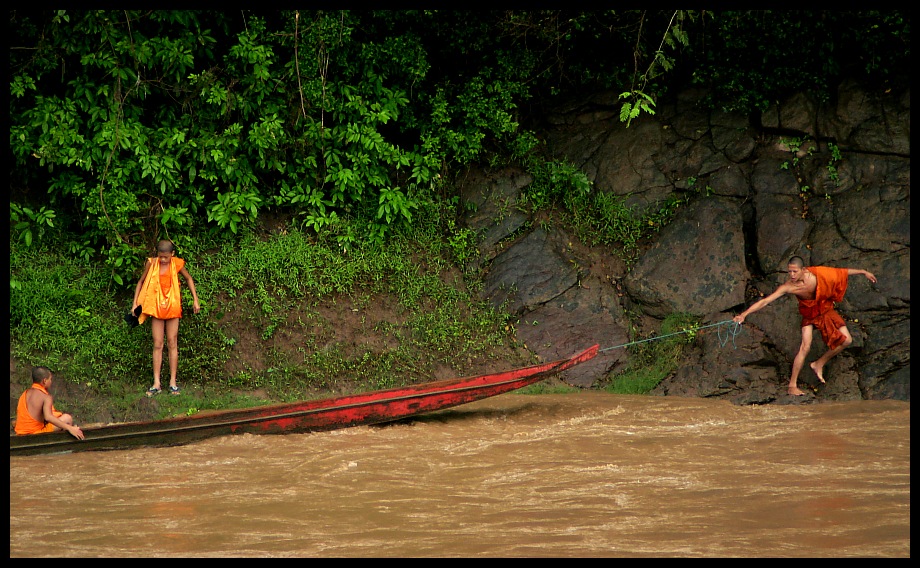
[(36, 412)]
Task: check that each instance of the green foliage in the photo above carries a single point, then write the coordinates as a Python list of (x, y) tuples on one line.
[(805, 148), (128, 124), (596, 217), (122, 259), (64, 314), (25, 222), (175, 117), (232, 209), (462, 243), (751, 59), (636, 100), (640, 102), (60, 313), (553, 182), (794, 146), (655, 358), (832, 172)]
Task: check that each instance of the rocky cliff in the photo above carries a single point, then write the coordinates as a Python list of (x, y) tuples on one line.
[(828, 181)]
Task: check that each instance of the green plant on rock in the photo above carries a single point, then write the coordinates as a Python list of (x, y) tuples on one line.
[(795, 146), (655, 358), (553, 182), (836, 156)]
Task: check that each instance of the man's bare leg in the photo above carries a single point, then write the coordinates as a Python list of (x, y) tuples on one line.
[(818, 366), (793, 381), (799, 361), (172, 344), (157, 327)]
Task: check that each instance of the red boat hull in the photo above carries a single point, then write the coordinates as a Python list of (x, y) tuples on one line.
[(308, 416)]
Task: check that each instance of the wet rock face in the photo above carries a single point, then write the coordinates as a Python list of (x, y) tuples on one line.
[(683, 272), (826, 181)]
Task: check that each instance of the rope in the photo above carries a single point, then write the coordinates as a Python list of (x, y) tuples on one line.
[(732, 332)]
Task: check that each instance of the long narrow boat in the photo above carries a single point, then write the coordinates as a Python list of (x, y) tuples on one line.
[(308, 416)]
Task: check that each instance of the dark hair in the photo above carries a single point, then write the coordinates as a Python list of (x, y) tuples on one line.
[(39, 374), (797, 261), (166, 246)]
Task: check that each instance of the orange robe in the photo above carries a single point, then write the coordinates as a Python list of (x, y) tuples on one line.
[(160, 296), (25, 422), (820, 312)]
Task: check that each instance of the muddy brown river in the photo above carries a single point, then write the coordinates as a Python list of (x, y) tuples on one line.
[(576, 475)]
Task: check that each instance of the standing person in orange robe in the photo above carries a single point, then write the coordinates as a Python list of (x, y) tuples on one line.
[(159, 298), (817, 288), (36, 412)]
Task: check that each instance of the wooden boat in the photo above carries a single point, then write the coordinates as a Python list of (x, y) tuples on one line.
[(307, 416)]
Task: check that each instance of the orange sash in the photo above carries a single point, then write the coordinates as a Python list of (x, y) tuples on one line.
[(155, 299), (25, 422), (831, 287)]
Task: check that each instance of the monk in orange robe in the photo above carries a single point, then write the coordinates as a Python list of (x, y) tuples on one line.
[(159, 297), (36, 412), (818, 289)]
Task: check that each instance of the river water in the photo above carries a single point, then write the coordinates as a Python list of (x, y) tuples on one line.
[(576, 475)]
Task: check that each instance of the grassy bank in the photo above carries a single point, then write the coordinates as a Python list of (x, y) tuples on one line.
[(285, 316)]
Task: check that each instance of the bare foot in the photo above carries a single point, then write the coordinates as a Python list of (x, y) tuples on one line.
[(795, 391), (818, 370)]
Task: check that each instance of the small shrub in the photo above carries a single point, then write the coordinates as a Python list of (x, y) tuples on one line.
[(655, 358)]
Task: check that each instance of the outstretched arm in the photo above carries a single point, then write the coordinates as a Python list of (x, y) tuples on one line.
[(762, 303), (866, 273)]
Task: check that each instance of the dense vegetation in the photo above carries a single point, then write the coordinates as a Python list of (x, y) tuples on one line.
[(273, 308), (130, 126), (127, 125)]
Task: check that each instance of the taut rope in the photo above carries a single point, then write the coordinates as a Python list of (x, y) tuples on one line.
[(733, 330)]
